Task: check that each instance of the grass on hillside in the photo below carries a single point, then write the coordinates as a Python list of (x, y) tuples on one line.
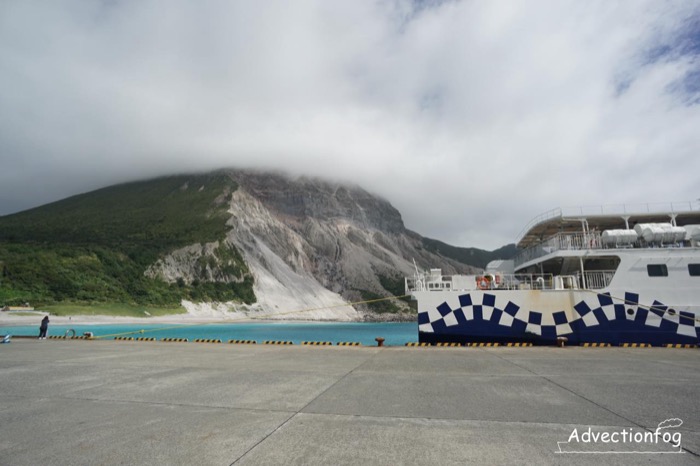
[(111, 309), (142, 219), (384, 306), (395, 285), (95, 247)]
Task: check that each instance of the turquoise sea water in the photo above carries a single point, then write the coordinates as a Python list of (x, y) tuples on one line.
[(365, 333)]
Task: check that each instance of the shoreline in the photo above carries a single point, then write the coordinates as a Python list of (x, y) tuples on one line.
[(9, 320), (183, 319), (110, 320)]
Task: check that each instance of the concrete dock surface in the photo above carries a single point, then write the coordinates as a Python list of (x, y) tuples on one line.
[(131, 403)]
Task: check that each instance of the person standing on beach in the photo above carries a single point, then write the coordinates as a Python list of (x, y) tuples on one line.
[(43, 328)]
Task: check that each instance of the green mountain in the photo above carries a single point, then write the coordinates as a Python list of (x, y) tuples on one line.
[(471, 256), (203, 237), (96, 247)]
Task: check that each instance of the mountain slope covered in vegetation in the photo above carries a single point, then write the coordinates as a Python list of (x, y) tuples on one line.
[(242, 241), (95, 247)]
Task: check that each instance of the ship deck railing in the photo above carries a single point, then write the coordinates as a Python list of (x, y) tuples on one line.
[(560, 242), (592, 280), (580, 242), (523, 281), (595, 279), (610, 210)]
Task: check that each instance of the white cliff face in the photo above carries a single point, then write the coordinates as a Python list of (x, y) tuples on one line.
[(312, 248), (284, 288)]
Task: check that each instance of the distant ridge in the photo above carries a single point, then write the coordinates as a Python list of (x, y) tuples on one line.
[(471, 256)]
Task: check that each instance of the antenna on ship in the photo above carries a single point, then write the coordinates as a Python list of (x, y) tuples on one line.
[(419, 281)]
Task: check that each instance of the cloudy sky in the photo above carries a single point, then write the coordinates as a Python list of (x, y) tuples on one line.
[(471, 117)]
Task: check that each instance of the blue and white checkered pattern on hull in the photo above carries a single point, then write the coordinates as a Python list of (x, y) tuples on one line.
[(483, 317)]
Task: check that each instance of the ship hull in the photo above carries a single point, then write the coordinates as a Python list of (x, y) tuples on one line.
[(542, 317)]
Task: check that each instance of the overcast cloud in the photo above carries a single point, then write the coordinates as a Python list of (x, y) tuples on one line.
[(470, 117)]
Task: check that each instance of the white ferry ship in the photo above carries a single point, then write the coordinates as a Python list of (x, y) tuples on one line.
[(606, 274)]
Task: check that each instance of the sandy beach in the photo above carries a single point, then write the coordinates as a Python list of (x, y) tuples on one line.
[(7, 319), (195, 314), (202, 313)]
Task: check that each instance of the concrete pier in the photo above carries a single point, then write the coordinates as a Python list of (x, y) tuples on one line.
[(128, 402)]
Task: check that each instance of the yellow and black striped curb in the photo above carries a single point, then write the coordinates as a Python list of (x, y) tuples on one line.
[(275, 342), (181, 340), (56, 337), (442, 343), (596, 345), (635, 345), (317, 343), (80, 337), (145, 339), (124, 338), (680, 345), (243, 342), (207, 340), (349, 343)]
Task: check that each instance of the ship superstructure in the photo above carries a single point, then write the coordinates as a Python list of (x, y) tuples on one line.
[(622, 274)]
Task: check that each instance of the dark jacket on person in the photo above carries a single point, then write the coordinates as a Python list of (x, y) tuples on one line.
[(44, 323)]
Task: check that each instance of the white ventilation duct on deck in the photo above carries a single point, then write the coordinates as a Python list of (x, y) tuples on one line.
[(678, 234), (660, 233), (692, 232), (618, 237), (650, 232)]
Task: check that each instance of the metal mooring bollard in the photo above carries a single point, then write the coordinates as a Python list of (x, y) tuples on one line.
[(380, 341)]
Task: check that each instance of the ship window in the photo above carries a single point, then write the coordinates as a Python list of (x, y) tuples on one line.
[(694, 270), (657, 270)]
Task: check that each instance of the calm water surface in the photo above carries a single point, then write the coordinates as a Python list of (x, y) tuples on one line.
[(365, 333)]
